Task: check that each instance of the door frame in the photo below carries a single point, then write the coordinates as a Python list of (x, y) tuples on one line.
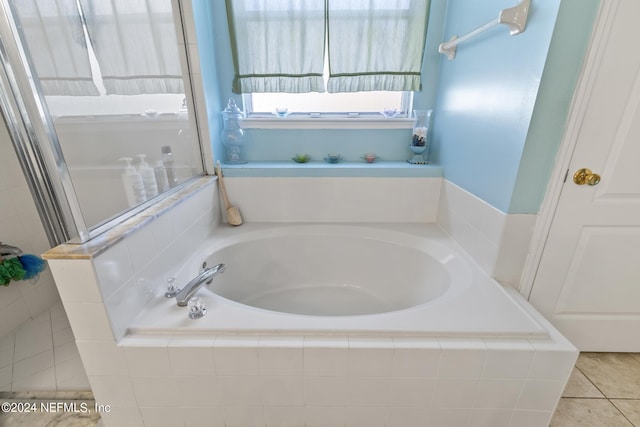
[(579, 104)]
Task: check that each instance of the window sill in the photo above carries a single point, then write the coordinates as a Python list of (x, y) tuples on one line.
[(323, 169), (306, 122)]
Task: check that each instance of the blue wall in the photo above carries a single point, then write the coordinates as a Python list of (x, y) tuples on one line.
[(483, 122), (488, 136)]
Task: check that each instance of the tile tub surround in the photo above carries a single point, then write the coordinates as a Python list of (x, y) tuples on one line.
[(498, 242), (241, 380)]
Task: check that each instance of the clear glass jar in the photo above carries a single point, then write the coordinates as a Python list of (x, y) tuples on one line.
[(232, 134), (420, 137)]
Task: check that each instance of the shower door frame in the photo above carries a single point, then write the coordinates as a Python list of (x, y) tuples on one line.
[(36, 142)]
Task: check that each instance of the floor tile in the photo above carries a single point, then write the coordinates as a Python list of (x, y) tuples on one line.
[(588, 412), (33, 337), (617, 375), (630, 409), (580, 386)]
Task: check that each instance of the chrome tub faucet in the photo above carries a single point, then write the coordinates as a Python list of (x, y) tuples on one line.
[(205, 277)]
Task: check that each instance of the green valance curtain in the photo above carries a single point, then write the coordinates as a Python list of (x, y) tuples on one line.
[(277, 46), (281, 45)]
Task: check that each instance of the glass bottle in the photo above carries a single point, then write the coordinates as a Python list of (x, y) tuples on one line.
[(232, 134), (420, 137)]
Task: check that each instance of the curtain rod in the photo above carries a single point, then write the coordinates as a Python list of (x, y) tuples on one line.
[(514, 17)]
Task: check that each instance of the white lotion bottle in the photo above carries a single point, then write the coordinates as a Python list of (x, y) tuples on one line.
[(161, 177), (148, 177), (133, 184)]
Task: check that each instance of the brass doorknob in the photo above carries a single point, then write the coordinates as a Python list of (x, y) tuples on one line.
[(585, 176)]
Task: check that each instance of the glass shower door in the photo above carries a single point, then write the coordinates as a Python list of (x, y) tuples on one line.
[(106, 86)]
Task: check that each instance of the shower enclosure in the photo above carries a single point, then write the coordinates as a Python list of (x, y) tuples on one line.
[(86, 85)]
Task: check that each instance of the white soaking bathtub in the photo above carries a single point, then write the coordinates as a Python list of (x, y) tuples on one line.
[(335, 325), (401, 279)]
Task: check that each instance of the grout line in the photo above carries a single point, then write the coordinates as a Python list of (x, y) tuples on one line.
[(621, 413), (53, 345)]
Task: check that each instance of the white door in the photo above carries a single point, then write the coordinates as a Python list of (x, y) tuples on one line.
[(588, 280)]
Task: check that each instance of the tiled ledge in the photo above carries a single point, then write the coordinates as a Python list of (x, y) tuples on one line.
[(323, 169), (100, 243)]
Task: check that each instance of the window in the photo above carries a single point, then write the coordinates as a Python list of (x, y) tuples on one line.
[(288, 54)]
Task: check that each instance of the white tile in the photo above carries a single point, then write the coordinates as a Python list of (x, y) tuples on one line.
[(448, 417), (365, 362), (39, 296), (490, 417), (70, 375), (462, 359), (198, 391), (325, 357), (13, 315), (416, 362), (65, 352), (123, 416), (284, 416), (34, 337), (191, 360), (325, 391), (325, 416), (241, 391), (280, 361), (7, 346), (497, 393), (242, 416), (76, 280), (123, 306), (236, 361), (502, 363), (63, 337), (367, 391), (522, 418), (6, 376), (411, 391), (142, 246), (366, 416), (155, 391), (114, 390), (32, 365), (553, 365), (540, 395), (147, 361), (89, 321), (283, 391), (102, 358), (210, 416), (410, 417), (161, 417), (38, 381), (113, 268), (59, 318), (455, 393)]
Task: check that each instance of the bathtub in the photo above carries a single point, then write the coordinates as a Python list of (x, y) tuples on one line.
[(390, 280), (337, 325)]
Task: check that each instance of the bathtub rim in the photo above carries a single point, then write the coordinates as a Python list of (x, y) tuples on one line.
[(162, 317)]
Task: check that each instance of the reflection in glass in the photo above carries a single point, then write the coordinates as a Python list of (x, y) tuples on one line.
[(113, 83)]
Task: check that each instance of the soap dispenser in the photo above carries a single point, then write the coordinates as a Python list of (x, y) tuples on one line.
[(148, 177), (133, 184)]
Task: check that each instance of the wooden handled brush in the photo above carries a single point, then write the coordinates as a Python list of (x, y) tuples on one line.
[(233, 213)]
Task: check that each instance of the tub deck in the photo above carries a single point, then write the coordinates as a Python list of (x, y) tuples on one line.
[(483, 309)]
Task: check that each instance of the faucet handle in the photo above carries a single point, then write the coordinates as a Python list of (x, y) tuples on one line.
[(172, 290), (197, 308)]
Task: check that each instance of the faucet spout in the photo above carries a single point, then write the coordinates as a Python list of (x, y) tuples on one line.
[(196, 283)]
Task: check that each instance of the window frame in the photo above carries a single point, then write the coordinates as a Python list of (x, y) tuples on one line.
[(328, 120)]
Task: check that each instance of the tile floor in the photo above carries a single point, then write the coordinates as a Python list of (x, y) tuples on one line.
[(604, 390), (41, 354)]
